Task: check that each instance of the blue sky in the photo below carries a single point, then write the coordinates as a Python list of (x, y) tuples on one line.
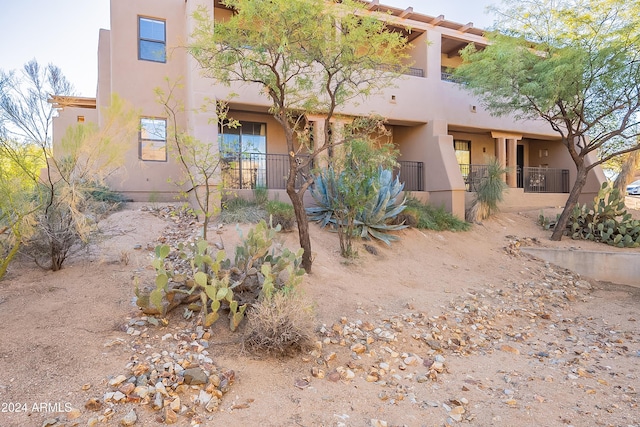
[(65, 32)]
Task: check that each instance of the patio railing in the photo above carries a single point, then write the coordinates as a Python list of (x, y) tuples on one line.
[(531, 179), (411, 173), (472, 175), (251, 170), (545, 180)]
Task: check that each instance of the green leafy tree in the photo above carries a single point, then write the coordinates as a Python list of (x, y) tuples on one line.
[(308, 56), (574, 64), (199, 159)]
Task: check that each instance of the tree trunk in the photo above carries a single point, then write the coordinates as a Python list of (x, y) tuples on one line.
[(4, 263), (572, 200), (303, 225)]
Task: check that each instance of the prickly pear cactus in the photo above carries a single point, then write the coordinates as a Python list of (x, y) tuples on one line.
[(606, 221), (214, 284)]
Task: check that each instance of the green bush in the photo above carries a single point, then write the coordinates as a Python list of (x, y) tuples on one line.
[(261, 195), (281, 213), (101, 193), (432, 218), (237, 210), (409, 217)]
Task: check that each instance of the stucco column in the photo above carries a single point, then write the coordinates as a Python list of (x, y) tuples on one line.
[(442, 176), (434, 49), (512, 163), (501, 152)]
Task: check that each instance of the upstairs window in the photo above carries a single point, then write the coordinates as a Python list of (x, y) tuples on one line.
[(152, 38), (153, 139)]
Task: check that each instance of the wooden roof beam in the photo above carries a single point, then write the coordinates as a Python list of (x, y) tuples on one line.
[(60, 101), (408, 11), (466, 27), (373, 4), (437, 20)]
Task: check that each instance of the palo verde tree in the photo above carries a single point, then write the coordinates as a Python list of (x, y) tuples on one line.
[(62, 196), (308, 57), (572, 63), (25, 124), (18, 164)]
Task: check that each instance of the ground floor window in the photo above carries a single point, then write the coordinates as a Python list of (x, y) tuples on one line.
[(153, 139), (244, 153), (463, 151)]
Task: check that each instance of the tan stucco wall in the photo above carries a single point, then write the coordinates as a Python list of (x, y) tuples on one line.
[(69, 117), (482, 145), (103, 87)]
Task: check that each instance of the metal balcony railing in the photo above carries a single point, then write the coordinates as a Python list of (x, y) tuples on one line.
[(545, 180), (411, 173), (531, 179), (251, 170), (472, 175), (409, 71)]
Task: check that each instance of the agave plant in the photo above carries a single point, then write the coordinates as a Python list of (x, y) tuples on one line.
[(373, 218)]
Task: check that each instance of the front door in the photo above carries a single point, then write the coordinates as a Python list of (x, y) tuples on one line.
[(520, 163)]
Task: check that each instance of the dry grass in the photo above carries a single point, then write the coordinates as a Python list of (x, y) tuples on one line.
[(282, 325)]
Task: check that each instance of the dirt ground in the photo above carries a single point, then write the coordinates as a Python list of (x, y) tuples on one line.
[(439, 329)]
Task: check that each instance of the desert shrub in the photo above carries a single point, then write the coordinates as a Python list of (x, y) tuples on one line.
[(64, 225), (281, 325), (65, 207), (434, 218), (238, 210), (99, 192), (408, 217), (260, 195), (281, 213), (489, 193)]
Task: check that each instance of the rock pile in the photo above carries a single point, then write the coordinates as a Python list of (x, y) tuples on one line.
[(525, 319)]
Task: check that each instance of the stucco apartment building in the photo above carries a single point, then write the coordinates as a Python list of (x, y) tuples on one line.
[(442, 132)]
